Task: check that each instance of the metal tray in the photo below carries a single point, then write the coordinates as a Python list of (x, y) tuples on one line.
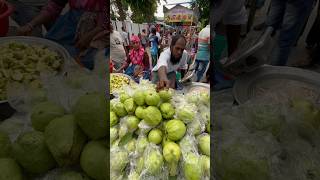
[(189, 87), (39, 41), (125, 75), (246, 86)]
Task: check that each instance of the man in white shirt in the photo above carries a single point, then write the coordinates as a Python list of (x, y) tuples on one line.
[(170, 61), (117, 49)]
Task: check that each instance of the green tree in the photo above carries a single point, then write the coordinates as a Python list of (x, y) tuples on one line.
[(204, 11), (142, 10)]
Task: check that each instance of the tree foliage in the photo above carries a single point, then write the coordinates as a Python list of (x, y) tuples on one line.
[(204, 10), (142, 10)]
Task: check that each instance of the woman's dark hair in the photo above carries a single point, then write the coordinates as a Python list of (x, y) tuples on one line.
[(176, 38)]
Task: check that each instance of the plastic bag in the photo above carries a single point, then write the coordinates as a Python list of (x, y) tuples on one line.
[(154, 164)]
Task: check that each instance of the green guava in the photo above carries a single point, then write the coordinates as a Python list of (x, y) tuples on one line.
[(31, 152), (65, 140), (94, 160), (10, 170), (139, 112), (43, 113), (152, 116), (113, 119), (152, 98), (124, 97), (132, 123), (139, 98), (119, 109), (167, 110), (155, 136), (166, 95), (129, 105), (91, 115), (175, 129)]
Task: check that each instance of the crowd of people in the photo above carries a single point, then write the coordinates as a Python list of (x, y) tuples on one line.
[(288, 19), (162, 57)]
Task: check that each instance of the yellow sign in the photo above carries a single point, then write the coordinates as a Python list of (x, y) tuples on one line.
[(179, 17)]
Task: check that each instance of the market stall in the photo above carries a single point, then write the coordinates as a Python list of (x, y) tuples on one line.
[(159, 135)]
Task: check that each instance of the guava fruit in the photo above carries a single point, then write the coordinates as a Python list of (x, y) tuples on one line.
[(140, 164), (165, 140), (131, 145), (132, 123), (124, 97), (31, 152), (175, 129), (195, 127), (113, 118), (129, 105), (5, 145), (240, 161), (186, 113), (172, 154), (204, 144), (166, 95), (91, 115), (192, 167), (119, 159), (155, 136), (152, 116), (205, 98), (152, 98), (139, 112), (308, 112), (119, 109), (94, 160), (205, 164), (65, 140), (153, 161), (167, 110), (43, 113), (113, 134), (10, 170), (142, 143), (72, 175), (139, 98)]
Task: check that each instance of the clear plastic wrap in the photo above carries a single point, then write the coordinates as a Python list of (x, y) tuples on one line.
[(154, 164)]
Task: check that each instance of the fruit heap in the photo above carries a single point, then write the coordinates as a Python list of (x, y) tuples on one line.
[(117, 81), (263, 140), (159, 135), (23, 63), (62, 140)]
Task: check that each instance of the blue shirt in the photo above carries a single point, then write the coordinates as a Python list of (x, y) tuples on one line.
[(154, 44)]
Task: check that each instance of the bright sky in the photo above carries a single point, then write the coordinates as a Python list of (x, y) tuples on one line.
[(159, 12)]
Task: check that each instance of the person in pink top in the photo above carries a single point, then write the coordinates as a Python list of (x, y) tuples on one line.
[(82, 30), (138, 59)]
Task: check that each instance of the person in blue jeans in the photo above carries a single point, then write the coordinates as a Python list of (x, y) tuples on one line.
[(287, 16), (154, 43), (203, 54)]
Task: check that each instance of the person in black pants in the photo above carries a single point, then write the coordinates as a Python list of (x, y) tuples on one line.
[(313, 40)]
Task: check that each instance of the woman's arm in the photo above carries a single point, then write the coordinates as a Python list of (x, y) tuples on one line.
[(124, 65), (48, 13)]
